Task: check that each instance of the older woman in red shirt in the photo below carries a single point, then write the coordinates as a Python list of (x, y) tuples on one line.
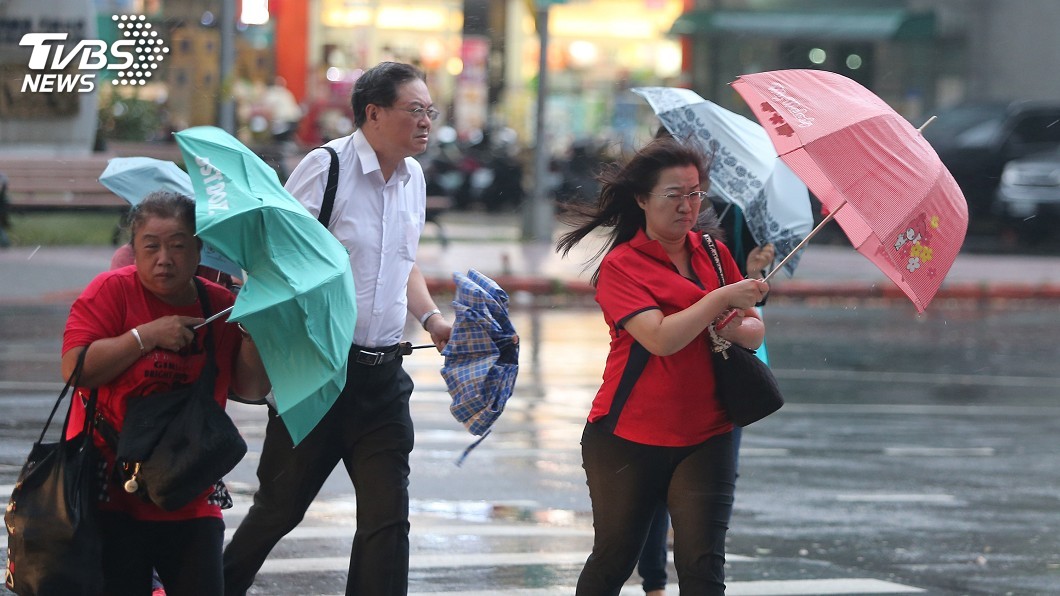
[(656, 433)]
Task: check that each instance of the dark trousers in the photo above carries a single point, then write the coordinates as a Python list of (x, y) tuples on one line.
[(652, 564), (627, 482), (370, 430), (187, 555)]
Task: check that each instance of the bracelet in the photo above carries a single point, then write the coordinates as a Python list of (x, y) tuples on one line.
[(427, 315), (139, 342)]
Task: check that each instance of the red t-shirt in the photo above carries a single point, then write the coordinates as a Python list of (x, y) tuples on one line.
[(660, 400), (112, 304)]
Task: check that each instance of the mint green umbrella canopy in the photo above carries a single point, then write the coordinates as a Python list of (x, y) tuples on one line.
[(298, 300)]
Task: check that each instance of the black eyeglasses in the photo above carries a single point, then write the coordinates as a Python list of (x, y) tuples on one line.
[(695, 196), (418, 113)]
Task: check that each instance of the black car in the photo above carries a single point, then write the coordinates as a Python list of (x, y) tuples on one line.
[(975, 141)]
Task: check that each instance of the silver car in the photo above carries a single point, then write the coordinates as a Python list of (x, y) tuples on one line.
[(1030, 186)]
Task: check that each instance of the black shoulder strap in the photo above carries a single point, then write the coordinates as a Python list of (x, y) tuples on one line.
[(328, 204), (204, 302), (714, 258)]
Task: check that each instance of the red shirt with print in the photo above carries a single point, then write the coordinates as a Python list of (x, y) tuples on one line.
[(112, 304), (658, 400)]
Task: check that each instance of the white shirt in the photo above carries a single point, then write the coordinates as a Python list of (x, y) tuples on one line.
[(378, 222)]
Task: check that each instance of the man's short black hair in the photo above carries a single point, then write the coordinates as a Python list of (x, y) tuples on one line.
[(379, 85)]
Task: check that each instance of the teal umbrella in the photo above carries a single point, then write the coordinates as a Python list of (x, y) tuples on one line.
[(298, 300), (133, 178)]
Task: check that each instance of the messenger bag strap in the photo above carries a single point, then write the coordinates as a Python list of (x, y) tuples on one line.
[(714, 258), (332, 186)]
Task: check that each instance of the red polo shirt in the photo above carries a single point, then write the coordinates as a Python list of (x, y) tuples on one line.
[(657, 400)]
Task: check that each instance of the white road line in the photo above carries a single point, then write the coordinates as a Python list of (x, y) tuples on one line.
[(940, 451), (895, 498), (918, 378), (444, 561), (799, 587)]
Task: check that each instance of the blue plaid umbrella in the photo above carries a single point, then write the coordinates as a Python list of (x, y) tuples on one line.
[(482, 356)]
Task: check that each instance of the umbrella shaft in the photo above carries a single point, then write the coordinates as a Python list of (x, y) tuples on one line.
[(831, 216), (219, 313)]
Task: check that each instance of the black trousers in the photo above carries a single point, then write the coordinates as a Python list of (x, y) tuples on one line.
[(627, 482), (187, 555), (370, 430)]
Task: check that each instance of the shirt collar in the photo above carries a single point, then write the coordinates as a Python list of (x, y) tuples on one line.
[(370, 161), (644, 245)]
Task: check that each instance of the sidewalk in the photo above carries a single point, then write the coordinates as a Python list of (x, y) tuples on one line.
[(490, 243)]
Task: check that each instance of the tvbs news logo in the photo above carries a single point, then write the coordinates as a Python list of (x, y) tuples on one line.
[(135, 58)]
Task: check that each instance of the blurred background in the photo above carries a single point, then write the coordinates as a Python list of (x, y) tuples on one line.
[(278, 74)]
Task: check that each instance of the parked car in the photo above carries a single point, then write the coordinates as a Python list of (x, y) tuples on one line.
[(1030, 186), (1028, 197), (975, 141)]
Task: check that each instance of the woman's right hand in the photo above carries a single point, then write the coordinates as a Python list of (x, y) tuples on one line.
[(173, 332), (745, 293)]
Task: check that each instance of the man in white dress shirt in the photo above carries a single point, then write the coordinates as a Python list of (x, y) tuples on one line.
[(379, 211)]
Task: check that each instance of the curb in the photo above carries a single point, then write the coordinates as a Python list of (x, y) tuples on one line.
[(794, 290), (544, 286)]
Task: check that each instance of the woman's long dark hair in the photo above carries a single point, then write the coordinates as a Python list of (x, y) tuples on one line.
[(617, 208)]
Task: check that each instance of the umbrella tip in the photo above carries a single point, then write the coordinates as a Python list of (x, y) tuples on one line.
[(925, 125)]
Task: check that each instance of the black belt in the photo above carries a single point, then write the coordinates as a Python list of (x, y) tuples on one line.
[(376, 356)]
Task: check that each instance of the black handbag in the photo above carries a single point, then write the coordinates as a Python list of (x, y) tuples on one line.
[(176, 444), (744, 385), (54, 545)]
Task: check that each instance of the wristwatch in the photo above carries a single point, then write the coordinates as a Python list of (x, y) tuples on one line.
[(427, 315)]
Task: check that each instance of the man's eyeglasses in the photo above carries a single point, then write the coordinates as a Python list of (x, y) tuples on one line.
[(418, 113), (695, 196)]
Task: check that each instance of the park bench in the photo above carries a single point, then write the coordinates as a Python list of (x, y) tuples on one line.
[(51, 183)]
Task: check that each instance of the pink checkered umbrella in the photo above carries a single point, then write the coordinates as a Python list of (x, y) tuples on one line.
[(874, 173)]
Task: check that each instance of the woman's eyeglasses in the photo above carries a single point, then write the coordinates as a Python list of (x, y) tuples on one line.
[(695, 196)]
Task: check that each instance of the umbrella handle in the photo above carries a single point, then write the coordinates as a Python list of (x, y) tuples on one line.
[(831, 215), (407, 347)]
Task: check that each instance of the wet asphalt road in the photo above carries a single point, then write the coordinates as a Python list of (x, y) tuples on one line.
[(914, 455)]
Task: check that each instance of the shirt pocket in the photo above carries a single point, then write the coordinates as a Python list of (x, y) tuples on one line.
[(411, 229)]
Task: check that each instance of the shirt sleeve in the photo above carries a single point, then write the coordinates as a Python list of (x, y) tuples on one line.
[(96, 314), (306, 183), (620, 294)]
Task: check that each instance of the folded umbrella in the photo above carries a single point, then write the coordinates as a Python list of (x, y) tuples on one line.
[(133, 178), (298, 300), (745, 170), (482, 356), (875, 174)]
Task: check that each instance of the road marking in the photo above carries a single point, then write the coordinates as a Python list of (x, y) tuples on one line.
[(918, 378), (798, 587), (940, 451), (429, 527), (895, 498)]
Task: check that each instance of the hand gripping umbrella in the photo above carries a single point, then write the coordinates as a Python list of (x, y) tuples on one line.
[(133, 178), (482, 356), (745, 171), (875, 174), (298, 300)]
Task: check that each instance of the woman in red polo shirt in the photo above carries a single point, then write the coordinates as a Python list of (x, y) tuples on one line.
[(655, 432)]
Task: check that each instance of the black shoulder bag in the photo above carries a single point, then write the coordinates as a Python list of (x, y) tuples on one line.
[(744, 385), (53, 541), (176, 444)]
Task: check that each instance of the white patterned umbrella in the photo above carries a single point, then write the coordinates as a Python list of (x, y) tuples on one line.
[(746, 170)]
